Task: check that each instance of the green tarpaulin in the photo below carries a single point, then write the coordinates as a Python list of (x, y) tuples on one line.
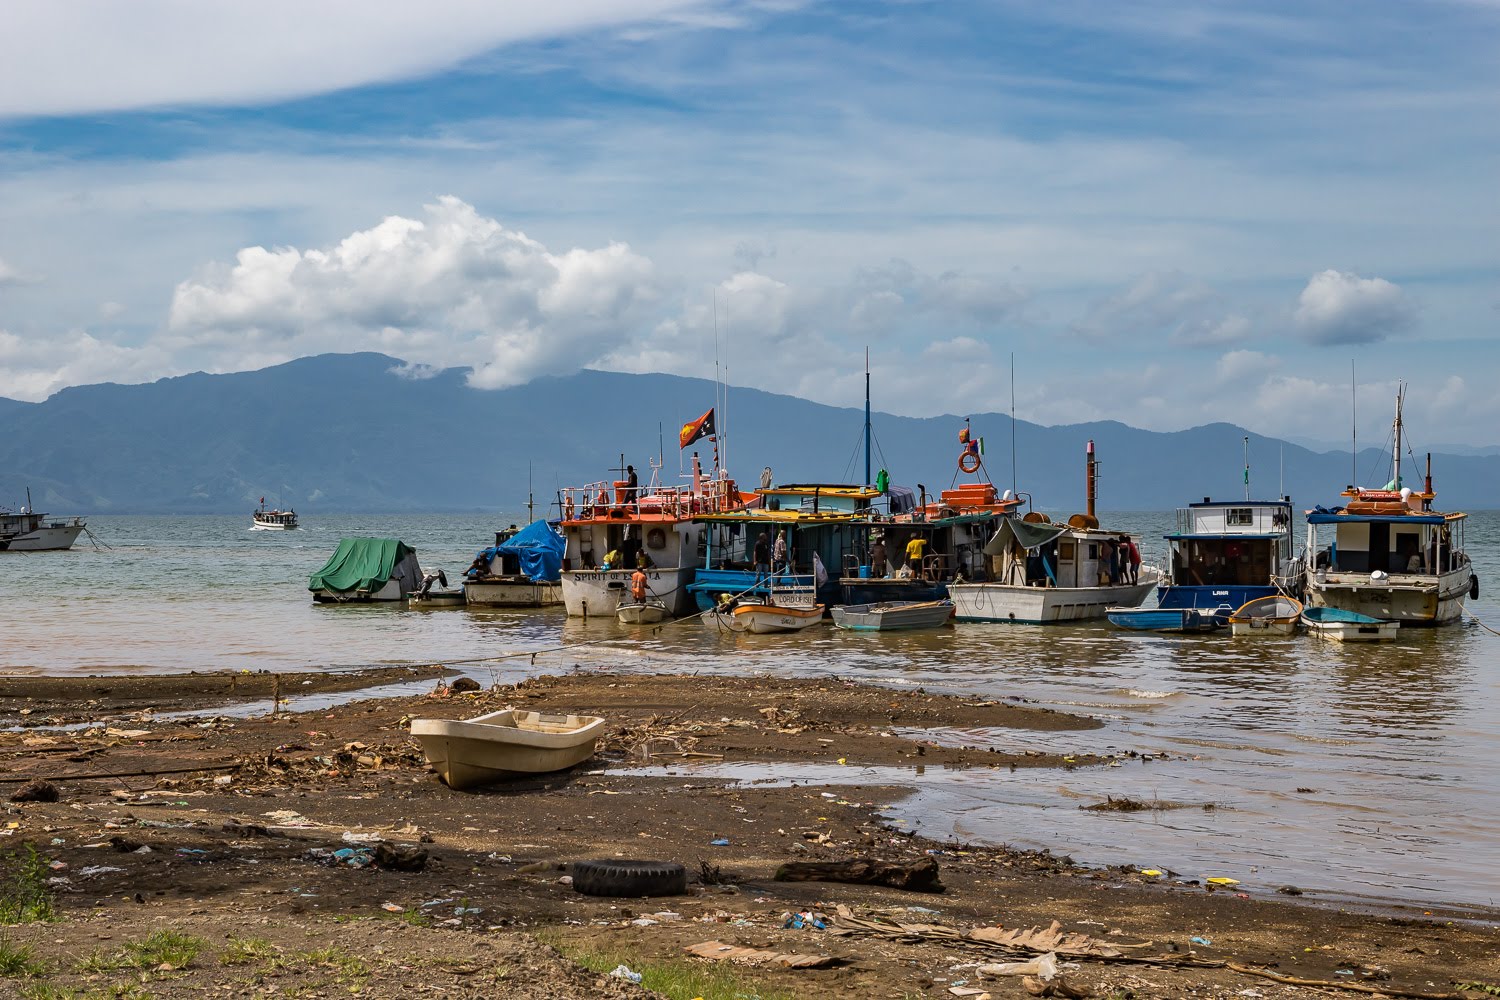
[(360, 564)]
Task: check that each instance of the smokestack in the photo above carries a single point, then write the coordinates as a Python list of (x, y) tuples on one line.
[(1093, 480), (1427, 484)]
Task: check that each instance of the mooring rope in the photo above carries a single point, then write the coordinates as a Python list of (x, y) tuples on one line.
[(1480, 623)]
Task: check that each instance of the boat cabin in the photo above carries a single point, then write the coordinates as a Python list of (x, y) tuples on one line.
[(1231, 544), (1034, 552), (1412, 544)]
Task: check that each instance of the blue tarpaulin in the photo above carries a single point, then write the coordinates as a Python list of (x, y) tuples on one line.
[(538, 546)]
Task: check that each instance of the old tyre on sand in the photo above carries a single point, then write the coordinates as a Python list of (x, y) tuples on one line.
[(629, 878)]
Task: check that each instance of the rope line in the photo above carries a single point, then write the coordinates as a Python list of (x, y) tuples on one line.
[(1481, 624)]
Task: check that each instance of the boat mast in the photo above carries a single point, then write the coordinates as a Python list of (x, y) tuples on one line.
[(530, 497), (1013, 424), (1396, 445), (868, 480), (1093, 482), (1353, 430), (1247, 468)]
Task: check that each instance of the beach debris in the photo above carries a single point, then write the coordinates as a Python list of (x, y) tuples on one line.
[(393, 857), (539, 866), (624, 972), (1289, 890), (804, 920), (970, 993), (462, 684), (125, 845), (1043, 967), (1059, 987), (719, 842), (36, 790), (612, 877), (1221, 880), (916, 876), (720, 952)]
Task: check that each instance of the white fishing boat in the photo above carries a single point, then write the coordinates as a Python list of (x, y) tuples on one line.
[(1387, 554), (505, 744), (266, 518), (28, 531), (1274, 615), (763, 617), (1348, 626), (1041, 573), (636, 524), (893, 615)]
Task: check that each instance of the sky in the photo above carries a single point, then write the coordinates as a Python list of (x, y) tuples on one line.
[(1163, 213)]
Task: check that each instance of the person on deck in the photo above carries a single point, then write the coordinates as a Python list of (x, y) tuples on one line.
[(1133, 558), (914, 553), (638, 586), (631, 484), (878, 564), (762, 556), (778, 552), (614, 560)]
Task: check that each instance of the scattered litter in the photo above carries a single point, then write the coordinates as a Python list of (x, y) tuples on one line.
[(720, 842), (1043, 967), (392, 908), (401, 859), (921, 909), (1153, 872), (721, 952), (92, 870), (1220, 880), (36, 790), (1201, 940), (354, 857), (803, 920), (350, 837), (624, 972)]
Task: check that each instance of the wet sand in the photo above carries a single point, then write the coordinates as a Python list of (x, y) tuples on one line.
[(238, 814)]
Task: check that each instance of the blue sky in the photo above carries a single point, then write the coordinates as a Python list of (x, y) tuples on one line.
[(1171, 213)]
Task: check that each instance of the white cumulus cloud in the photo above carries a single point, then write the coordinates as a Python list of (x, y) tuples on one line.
[(452, 288), (1338, 307)]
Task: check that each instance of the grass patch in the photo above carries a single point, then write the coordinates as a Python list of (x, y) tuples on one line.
[(679, 980), (18, 961), (24, 895), (171, 949), (347, 969), (118, 991), (242, 951)]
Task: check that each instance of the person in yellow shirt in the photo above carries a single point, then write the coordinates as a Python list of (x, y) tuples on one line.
[(914, 554)]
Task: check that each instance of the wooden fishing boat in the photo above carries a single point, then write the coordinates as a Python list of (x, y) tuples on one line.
[(505, 744), (1169, 619), (643, 613), (265, 518), (1275, 615), (893, 615), (1348, 626)]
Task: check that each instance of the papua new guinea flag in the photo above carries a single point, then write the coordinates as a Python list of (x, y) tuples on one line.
[(693, 430)]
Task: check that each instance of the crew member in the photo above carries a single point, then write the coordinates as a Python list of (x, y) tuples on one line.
[(638, 586), (914, 553)]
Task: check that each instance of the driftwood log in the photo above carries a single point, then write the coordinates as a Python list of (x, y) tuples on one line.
[(918, 876)]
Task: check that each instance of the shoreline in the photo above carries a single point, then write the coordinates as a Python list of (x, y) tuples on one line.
[(232, 826)]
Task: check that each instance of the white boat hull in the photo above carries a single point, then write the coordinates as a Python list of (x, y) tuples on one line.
[(509, 593), (1263, 626), (390, 591), (45, 539), (1010, 603), (601, 592), (765, 619), (1408, 599), (640, 614), (1355, 631), (505, 744)]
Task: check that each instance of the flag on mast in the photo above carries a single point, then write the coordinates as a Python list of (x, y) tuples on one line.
[(695, 429)]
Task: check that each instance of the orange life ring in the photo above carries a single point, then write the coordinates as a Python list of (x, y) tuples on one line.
[(964, 464)]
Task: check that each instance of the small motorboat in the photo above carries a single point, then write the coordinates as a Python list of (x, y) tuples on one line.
[(642, 613), (762, 617), (265, 518), (1169, 619), (1348, 626), (426, 596), (892, 615), (1274, 615), (505, 744)]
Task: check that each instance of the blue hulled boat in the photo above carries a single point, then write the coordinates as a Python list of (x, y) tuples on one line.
[(1223, 555)]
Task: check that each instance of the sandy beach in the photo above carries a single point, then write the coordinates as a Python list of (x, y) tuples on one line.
[(217, 830)]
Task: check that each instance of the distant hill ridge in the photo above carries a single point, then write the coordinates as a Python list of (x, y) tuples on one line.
[(351, 432)]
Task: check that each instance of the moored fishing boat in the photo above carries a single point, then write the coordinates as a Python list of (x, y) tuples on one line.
[(1274, 615), (893, 615), (362, 570), (763, 616), (1168, 619), (522, 569), (505, 744), (1348, 626), (28, 531), (1387, 554), (1043, 572)]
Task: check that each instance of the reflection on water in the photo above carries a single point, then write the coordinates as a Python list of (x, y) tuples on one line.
[(1357, 769)]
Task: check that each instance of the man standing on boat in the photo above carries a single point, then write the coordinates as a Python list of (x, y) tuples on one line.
[(631, 484), (762, 557), (778, 552), (1134, 555), (914, 554), (878, 557)]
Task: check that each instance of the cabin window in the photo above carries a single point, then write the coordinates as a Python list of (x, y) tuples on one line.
[(1239, 517), (1065, 551)]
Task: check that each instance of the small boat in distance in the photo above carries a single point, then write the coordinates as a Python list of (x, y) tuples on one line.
[(893, 615), (505, 744), (647, 612), (272, 519), (29, 531), (1348, 626), (1276, 615)]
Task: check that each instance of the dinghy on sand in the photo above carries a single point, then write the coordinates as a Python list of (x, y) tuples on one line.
[(505, 744)]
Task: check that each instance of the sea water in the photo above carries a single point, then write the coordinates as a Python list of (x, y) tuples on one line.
[(1357, 772)]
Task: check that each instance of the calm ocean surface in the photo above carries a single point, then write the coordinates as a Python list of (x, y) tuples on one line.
[(1396, 742)]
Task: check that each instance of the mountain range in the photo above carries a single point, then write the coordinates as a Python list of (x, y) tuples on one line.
[(365, 432)]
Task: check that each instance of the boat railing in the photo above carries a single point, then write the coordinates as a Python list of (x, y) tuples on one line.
[(616, 500)]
